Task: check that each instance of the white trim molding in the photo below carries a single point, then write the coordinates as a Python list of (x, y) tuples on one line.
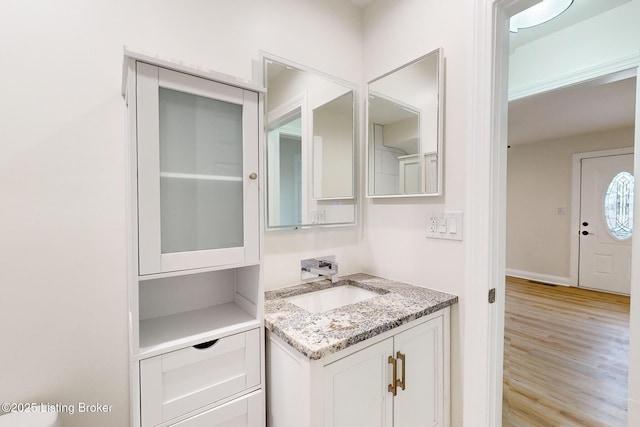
[(629, 62), (483, 323), (539, 277), (633, 406)]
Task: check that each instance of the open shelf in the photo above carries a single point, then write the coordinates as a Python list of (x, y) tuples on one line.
[(167, 333), (181, 311)]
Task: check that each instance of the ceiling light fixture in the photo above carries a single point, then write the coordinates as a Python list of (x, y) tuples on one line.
[(542, 12)]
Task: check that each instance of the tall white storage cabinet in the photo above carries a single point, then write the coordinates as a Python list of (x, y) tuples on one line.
[(195, 278)]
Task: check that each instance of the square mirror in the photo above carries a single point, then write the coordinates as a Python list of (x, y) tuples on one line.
[(404, 130), (310, 148)]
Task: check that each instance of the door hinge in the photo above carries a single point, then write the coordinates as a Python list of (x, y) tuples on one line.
[(492, 295)]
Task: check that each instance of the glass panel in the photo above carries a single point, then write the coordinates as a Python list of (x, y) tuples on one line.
[(618, 206), (200, 172)]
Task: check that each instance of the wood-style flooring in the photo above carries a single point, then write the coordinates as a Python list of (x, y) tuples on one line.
[(565, 356)]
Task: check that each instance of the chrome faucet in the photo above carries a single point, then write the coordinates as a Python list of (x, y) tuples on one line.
[(317, 267)]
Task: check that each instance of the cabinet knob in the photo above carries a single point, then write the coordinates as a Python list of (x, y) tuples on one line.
[(253, 175)]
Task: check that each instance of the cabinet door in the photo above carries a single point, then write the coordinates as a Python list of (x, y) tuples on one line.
[(197, 147), (420, 403), (355, 389)]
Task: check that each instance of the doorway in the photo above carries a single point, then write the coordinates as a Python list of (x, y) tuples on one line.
[(486, 181)]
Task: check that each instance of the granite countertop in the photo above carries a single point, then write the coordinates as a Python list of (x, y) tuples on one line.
[(318, 335)]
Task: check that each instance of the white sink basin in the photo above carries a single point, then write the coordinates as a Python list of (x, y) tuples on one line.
[(329, 299)]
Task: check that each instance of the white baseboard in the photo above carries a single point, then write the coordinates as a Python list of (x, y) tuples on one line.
[(538, 277)]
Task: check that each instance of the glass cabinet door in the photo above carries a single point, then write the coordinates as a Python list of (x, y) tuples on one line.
[(197, 160)]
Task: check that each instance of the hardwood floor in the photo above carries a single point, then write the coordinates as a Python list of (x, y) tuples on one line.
[(565, 357)]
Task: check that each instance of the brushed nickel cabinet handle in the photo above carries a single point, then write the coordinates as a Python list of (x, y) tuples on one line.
[(253, 175)]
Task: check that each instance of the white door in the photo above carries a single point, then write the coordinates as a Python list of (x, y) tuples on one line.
[(606, 223)]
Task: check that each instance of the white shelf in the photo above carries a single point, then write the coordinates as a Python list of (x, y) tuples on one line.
[(201, 177), (167, 333)]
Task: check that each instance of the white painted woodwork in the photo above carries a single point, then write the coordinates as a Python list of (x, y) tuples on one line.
[(350, 387), (420, 403), (605, 261), (355, 389), (247, 411), (181, 299), (410, 174), (180, 311), (182, 381), (152, 260)]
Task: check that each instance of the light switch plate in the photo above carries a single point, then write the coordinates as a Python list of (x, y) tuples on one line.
[(444, 225)]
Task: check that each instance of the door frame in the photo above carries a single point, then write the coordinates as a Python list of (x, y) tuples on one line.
[(485, 220), (275, 118), (576, 188)]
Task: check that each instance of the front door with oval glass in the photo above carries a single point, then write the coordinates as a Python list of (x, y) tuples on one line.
[(606, 223)]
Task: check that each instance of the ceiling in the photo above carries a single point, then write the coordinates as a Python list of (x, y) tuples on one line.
[(584, 108), (597, 105)]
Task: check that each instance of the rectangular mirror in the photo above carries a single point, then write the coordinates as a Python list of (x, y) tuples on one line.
[(404, 130), (310, 153)]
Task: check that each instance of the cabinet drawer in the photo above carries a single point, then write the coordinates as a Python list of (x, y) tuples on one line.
[(247, 411), (182, 381)]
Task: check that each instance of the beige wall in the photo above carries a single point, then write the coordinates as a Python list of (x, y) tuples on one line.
[(538, 184)]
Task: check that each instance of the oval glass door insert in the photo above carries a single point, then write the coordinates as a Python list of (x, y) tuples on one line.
[(618, 206)]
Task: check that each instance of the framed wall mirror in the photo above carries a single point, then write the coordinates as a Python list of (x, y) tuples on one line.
[(311, 122), (404, 130)]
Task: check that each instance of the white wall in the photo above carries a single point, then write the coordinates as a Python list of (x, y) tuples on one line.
[(613, 34), (333, 153), (538, 183), (394, 245), (62, 169)]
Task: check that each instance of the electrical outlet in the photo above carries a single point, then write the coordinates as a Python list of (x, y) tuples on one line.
[(432, 223), (444, 225)]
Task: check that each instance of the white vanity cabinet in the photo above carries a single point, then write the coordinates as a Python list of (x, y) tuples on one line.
[(356, 386), (195, 286)]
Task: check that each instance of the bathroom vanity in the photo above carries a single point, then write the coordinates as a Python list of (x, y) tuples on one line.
[(376, 359)]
